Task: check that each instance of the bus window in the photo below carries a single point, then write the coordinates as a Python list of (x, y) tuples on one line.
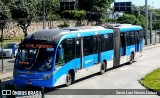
[(141, 35), (65, 52), (60, 55), (107, 42), (78, 48), (104, 44), (69, 50), (88, 45), (95, 48), (130, 38), (123, 42), (110, 42)]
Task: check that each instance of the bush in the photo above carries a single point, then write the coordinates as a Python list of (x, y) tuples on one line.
[(63, 25)]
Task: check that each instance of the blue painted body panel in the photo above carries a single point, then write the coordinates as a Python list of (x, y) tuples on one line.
[(108, 55), (126, 29)]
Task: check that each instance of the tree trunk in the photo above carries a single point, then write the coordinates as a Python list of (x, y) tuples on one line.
[(25, 32)]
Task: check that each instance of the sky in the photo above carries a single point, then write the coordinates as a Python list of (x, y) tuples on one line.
[(153, 3)]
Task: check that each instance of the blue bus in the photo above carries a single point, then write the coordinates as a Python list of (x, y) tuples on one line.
[(54, 57)]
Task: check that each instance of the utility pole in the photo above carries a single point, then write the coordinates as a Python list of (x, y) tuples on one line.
[(44, 14), (2, 47), (150, 26), (146, 22)]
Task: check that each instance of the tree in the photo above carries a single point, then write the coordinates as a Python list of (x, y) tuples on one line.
[(140, 21), (5, 17), (76, 14), (23, 12), (96, 9), (156, 19), (127, 18)]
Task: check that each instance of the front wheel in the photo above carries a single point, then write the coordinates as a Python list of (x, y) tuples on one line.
[(68, 79), (103, 67)]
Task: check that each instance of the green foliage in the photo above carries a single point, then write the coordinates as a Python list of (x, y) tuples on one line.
[(96, 8), (111, 20), (131, 19), (23, 12), (52, 9), (127, 18), (140, 21), (156, 19), (5, 15), (156, 25), (65, 24), (151, 80), (77, 14)]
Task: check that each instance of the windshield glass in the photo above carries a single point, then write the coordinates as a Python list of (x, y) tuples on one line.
[(9, 46), (35, 59)]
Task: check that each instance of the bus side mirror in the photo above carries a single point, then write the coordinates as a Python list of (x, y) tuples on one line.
[(59, 51)]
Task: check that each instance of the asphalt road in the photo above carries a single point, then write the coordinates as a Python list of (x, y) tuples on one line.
[(125, 77)]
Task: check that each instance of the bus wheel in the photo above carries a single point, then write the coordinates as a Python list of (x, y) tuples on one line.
[(131, 59), (102, 70), (12, 56), (68, 79)]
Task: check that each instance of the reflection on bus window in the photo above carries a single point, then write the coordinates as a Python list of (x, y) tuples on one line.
[(60, 56), (34, 59)]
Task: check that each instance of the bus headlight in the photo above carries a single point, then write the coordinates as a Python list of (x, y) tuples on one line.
[(45, 77), (15, 74)]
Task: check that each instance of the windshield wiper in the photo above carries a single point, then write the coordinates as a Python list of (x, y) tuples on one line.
[(34, 59)]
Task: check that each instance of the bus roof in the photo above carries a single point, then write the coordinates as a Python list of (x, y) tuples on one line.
[(54, 35), (124, 27), (83, 28), (45, 36), (129, 28)]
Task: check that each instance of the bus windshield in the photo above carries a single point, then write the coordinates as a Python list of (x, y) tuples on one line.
[(34, 59)]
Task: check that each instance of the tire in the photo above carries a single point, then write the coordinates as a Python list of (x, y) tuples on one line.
[(12, 56), (69, 79), (103, 68), (131, 59)]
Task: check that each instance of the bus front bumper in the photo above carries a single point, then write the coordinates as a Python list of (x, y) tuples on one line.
[(33, 82)]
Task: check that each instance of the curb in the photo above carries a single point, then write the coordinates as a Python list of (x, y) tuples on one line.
[(151, 46)]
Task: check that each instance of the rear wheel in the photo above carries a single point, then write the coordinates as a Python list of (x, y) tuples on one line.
[(103, 67), (69, 79), (131, 59)]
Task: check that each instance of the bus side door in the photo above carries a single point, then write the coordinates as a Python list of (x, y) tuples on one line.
[(123, 44), (88, 51), (78, 53), (137, 38), (96, 50)]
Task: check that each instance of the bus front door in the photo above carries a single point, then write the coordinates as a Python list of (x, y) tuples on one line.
[(137, 47), (78, 53)]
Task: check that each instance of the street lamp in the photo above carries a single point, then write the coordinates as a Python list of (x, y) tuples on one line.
[(44, 8), (146, 22)]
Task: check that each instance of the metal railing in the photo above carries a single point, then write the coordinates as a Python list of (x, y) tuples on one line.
[(154, 38)]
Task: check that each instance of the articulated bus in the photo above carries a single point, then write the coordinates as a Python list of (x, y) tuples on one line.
[(54, 57)]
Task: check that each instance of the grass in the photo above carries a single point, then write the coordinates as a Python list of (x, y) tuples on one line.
[(152, 80), (15, 39)]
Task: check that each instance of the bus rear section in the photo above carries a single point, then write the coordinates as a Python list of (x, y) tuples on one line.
[(129, 42)]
